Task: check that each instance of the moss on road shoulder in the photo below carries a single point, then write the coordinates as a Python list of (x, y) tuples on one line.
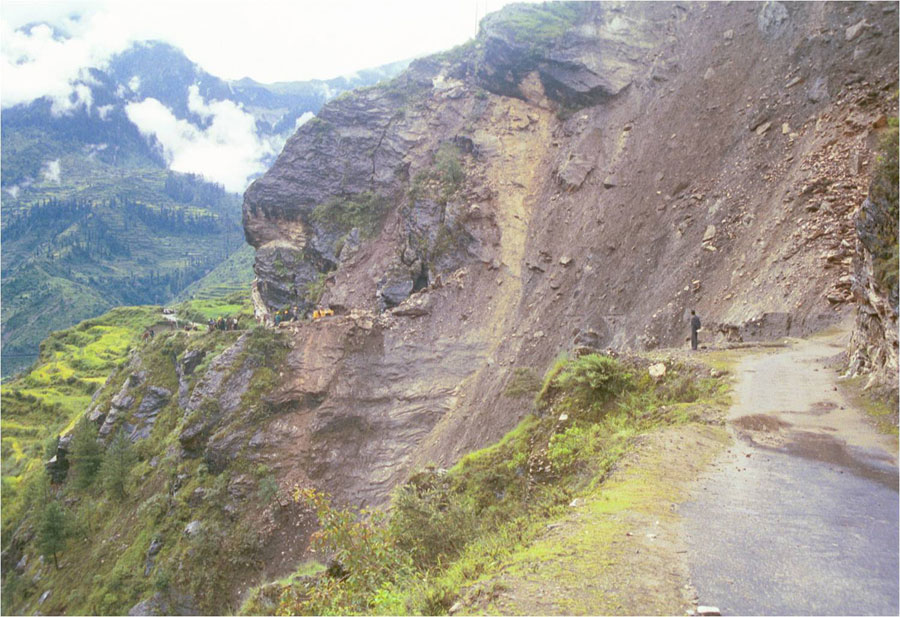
[(618, 550)]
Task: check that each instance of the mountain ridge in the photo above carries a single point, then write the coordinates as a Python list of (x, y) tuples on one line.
[(95, 153)]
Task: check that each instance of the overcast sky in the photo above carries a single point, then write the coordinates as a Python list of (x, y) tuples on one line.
[(267, 40)]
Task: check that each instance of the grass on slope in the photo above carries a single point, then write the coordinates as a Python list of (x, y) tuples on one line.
[(107, 532), (450, 530), (233, 275), (72, 364)]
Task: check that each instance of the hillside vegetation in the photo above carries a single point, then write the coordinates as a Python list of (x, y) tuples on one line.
[(47, 400), (82, 246), (448, 530), (115, 487), (170, 525)]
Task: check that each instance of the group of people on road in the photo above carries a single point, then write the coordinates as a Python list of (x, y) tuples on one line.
[(222, 323), (288, 314)]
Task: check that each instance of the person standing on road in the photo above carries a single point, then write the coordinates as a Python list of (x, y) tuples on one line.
[(695, 327)]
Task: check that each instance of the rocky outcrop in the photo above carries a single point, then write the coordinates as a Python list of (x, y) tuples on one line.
[(583, 53), (215, 400), (155, 398), (58, 465), (413, 147), (161, 603), (873, 346), (577, 168)]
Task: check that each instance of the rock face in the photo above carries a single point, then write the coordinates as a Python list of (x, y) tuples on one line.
[(578, 168), (583, 54), (873, 346)]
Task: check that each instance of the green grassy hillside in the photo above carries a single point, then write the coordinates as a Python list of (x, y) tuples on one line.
[(102, 238), (120, 497), (233, 275), (72, 364), (451, 531)]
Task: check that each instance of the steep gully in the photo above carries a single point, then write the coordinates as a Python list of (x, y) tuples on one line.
[(800, 515)]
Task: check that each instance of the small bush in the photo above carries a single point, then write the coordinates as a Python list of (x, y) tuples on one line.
[(315, 289), (267, 489), (883, 193), (594, 379), (266, 347), (429, 520), (542, 400), (364, 211), (448, 167), (365, 558)]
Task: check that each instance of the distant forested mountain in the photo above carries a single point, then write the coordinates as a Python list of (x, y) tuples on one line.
[(93, 214)]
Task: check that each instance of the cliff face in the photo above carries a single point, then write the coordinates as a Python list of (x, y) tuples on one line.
[(873, 346), (581, 172)]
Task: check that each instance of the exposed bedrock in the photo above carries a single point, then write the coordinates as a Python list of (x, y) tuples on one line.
[(578, 174)]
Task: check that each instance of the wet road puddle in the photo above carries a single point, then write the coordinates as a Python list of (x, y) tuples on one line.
[(761, 422), (868, 464)]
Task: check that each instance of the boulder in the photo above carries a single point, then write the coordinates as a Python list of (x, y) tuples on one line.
[(818, 90), (657, 371), (154, 548), (191, 360), (855, 30), (773, 19), (394, 287), (154, 400)]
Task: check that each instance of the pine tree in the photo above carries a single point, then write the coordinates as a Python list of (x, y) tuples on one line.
[(52, 530), (117, 462), (86, 453)]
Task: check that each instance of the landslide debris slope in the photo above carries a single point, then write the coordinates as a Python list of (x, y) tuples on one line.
[(581, 173)]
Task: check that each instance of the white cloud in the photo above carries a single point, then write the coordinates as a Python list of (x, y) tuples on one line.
[(51, 171), (306, 117), (36, 62), (13, 191), (134, 83), (228, 151), (268, 40), (103, 111)]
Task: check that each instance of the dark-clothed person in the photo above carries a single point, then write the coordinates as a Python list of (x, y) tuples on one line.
[(695, 327)]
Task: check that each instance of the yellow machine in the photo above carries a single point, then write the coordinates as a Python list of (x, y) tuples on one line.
[(319, 313)]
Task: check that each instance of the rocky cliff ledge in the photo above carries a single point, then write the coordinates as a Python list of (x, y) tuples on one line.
[(873, 347), (579, 172)]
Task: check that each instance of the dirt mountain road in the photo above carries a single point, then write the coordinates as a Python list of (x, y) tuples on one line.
[(800, 515)]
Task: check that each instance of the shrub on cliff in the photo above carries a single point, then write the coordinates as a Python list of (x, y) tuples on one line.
[(364, 211), (883, 214), (586, 383)]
